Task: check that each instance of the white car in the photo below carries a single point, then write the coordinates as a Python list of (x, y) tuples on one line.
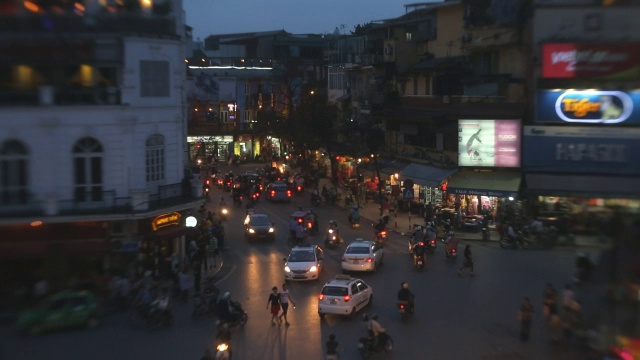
[(344, 295), (362, 255), (304, 263)]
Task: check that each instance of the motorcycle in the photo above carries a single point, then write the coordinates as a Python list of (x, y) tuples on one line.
[(451, 254), (332, 240), (380, 235), (418, 261), (431, 246), (224, 213), (315, 200), (370, 344), (223, 352), (157, 319), (240, 316), (405, 310)]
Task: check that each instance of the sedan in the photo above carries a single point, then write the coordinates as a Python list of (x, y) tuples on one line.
[(278, 192), (259, 226), (362, 255)]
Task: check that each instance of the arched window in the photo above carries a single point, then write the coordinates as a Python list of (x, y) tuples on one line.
[(155, 158), (14, 177), (87, 167)]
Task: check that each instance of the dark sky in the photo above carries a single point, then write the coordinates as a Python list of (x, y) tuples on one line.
[(210, 17)]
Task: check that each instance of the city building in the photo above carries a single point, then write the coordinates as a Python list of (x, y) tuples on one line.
[(93, 176)]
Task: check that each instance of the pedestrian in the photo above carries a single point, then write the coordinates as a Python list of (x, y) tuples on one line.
[(273, 303), (568, 296), (468, 262), (550, 301), (525, 314), (184, 283), (332, 348), (285, 298)]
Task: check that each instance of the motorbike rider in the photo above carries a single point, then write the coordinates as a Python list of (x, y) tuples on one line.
[(227, 312), (354, 216), (313, 219), (376, 330), (451, 243), (161, 304), (404, 294), (511, 234), (315, 195), (418, 250), (333, 225)]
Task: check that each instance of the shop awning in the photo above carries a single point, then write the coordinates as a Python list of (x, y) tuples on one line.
[(589, 186), (425, 175), (485, 183)]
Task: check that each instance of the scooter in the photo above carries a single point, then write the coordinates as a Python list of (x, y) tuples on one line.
[(241, 317), (381, 236), (431, 246), (332, 240), (370, 344), (418, 261), (224, 213), (405, 310), (451, 254)]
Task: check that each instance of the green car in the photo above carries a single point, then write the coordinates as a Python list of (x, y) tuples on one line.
[(63, 310)]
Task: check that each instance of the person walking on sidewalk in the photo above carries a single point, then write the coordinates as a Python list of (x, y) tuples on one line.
[(525, 314), (273, 303), (285, 298), (468, 262)]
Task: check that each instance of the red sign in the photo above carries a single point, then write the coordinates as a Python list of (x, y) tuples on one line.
[(590, 60)]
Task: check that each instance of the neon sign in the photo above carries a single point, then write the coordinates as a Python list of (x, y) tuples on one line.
[(589, 106)]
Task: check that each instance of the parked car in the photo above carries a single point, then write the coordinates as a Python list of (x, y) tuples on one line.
[(304, 263), (362, 255), (344, 295), (65, 309), (278, 191), (259, 226)]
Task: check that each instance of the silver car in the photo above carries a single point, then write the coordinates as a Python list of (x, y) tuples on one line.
[(362, 255)]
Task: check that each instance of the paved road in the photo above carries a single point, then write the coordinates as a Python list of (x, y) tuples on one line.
[(457, 318)]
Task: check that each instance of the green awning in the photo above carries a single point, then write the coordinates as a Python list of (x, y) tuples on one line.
[(485, 183)]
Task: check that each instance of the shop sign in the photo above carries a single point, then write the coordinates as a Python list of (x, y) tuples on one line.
[(581, 149), (588, 106), (590, 60), (165, 220), (489, 143), (479, 192), (218, 138)]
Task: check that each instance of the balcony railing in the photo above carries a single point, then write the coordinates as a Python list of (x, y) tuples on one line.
[(63, 96), (104, 202)]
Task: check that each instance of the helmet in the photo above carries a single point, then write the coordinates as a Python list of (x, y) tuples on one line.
[(405, 285), (226, 296)]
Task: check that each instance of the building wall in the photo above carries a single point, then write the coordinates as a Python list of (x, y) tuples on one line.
[(450, 30)]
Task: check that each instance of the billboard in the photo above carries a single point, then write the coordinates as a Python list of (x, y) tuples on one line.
[(489, 143), (570, 60), (575, 149), (588, 106)]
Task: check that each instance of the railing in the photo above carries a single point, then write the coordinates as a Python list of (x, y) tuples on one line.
[(62, 96), (101, 202)]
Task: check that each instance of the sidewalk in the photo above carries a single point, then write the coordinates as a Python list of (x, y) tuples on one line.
[(402, 223)]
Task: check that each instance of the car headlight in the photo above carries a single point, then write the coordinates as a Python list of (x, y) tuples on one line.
[(313, 268), (287, 269), (251, 231), (271, 230)]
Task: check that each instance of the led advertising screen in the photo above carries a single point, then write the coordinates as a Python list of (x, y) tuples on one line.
[(489, 143)]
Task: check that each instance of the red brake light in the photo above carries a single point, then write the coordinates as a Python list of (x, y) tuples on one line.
[(454, 250), (320, 297), (401, 306), (421, 243), (288, 192), (208, 182), (273, 193), (299, 188), (346, 298), (433, 241), (369, 260), (300, 221), (383, 233), (309, 225)]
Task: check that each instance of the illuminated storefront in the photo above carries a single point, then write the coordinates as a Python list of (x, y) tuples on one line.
[(209, 147)]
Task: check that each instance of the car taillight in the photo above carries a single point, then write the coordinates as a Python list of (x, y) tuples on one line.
[(346, 298), (320, 297), (369, 260), (454, 250), (273, 193), (299, 188), (433, 241), (288, 192), (421, 243)]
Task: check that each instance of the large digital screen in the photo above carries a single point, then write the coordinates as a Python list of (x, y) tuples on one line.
[(489, 143)]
